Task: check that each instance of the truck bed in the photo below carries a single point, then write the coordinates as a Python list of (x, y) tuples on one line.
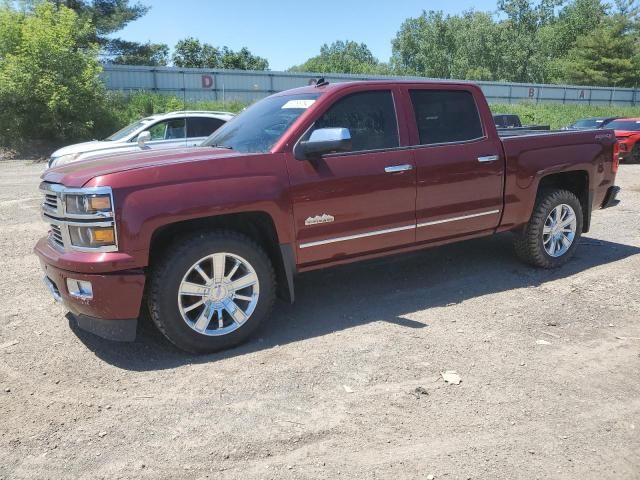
[(514, 132)]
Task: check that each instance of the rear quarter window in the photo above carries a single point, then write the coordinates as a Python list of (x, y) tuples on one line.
[(202, 126), (446, 116)]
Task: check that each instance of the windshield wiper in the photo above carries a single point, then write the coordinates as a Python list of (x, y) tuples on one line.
[(227, 147)]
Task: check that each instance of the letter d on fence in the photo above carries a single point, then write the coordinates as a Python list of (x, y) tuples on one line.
[(207, 81)]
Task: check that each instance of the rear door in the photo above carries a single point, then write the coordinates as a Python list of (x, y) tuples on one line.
[(357, 202), (460, 167), (199, 128)]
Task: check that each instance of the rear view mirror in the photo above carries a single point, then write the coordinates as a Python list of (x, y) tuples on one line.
[(143, 137), (323, 141)]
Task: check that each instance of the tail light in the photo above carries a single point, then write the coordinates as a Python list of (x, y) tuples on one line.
[(615, 163)]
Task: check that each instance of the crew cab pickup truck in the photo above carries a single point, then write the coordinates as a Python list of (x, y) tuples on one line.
[(207, 237)]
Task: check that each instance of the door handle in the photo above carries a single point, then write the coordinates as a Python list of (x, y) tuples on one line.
[(398, 168), (488, 158)]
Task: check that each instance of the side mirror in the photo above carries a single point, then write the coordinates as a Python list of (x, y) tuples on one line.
[(323, 141), (143, 137)]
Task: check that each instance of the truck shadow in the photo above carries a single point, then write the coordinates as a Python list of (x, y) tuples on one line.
[(378, 290)]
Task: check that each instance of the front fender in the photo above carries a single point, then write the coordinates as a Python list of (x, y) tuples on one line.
[(149, 199)]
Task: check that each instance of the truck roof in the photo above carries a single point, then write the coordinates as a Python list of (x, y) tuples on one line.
[(374, 83)]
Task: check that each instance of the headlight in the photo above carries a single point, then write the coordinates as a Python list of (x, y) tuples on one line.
[(63, 159), (87, 204), (82, 219), (92, 237)]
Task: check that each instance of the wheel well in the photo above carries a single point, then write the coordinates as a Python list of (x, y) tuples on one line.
[(258, 226), (576, 182)]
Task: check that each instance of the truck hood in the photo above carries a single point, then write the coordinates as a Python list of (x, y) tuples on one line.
[(84, 147), (626, 133), (77, 174)]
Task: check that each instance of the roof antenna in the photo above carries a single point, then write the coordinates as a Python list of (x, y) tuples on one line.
[(321, 82)]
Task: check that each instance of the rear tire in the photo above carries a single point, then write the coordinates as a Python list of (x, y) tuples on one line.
[(216, 312), (545, 243)]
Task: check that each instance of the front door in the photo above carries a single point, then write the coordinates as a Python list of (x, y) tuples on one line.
[(460, 168), (361, 201)]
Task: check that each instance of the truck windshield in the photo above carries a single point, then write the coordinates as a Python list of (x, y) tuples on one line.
[(260, 126), (629, 125), (126, 131)]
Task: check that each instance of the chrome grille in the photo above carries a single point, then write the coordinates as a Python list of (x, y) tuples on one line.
[(56, 235)]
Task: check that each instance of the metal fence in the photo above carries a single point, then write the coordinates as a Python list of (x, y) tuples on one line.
[(195, 84)]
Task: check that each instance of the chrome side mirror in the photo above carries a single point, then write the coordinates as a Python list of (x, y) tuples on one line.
[(323, 141)]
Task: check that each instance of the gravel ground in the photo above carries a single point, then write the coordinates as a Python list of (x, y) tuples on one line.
[(347, 382)]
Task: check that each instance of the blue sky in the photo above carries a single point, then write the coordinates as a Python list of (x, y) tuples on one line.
[(285, 32)]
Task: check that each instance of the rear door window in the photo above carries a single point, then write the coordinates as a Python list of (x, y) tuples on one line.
[(369, 116), (446, 116), (202, 126)]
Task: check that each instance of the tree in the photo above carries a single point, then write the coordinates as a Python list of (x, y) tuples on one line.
[(424, 46), (439, 46), (342, 57), (49, 85), (527, 41), (108, 17), (132, 53), (609, 55), (523, 51), (191, 53)]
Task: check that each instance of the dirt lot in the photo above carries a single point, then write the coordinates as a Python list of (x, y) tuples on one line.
[(328, 388)]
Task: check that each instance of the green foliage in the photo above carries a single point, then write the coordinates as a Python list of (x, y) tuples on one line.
[(108, 17), (49, 85), (559, 116), (579, 41), (343, 57), (439, 46), (125, 109), (133, 53), (191, 53), (608, 55)]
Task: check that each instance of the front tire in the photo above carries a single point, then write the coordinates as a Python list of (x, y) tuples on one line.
[(551, 236), (211, 291)]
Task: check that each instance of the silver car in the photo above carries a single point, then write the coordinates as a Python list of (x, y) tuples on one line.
[(165, 130)]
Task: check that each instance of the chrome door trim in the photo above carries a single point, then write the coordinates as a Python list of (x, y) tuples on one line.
[(398, 168), (455, 219), (359, 235), (488, 158)]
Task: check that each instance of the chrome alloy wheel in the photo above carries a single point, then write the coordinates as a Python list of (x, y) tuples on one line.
[(559, 230), (218, 294)]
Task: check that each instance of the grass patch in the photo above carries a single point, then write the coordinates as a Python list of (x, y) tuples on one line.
[(558, 115)]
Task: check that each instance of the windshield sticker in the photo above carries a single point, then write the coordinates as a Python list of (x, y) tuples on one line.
[(304, 104)]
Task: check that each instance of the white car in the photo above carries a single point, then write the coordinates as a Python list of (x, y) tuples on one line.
[(165, 130)]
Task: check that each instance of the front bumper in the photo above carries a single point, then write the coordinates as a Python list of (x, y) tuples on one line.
[(611, 198), (113, 310)]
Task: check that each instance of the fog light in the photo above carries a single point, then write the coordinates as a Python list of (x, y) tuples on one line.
[(79, 288)]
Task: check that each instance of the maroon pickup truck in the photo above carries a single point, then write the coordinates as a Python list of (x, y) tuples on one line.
[(207, 237)]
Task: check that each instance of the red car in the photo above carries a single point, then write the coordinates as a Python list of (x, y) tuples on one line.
[(628, 135), (308, 178)]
